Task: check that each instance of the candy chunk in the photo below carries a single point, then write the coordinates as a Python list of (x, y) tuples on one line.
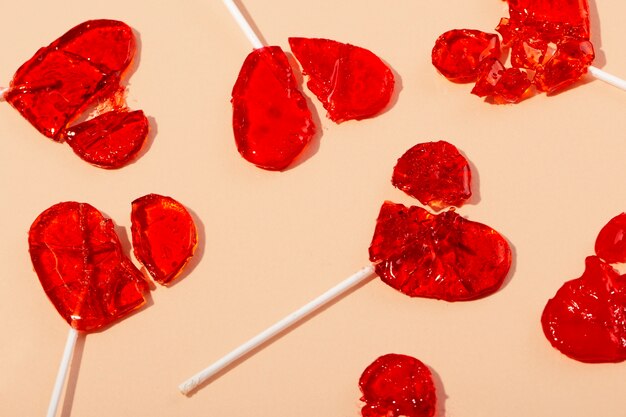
[(164, 236), (110, 140), (271, 120), (54, 86), (504, 85), (397, 385), (611, 241), (435, 173), (550, 19), (457, 54), (568, 64), (586, 319), (351, 82), (437, 256), (79, 261)]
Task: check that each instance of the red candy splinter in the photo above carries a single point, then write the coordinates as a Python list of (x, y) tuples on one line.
[(351, 82), (80, 69), (79, 261), (611, 241), (437, 256), (586, 319), (164, 236), (271, 120), (435, 173), (397, 385)]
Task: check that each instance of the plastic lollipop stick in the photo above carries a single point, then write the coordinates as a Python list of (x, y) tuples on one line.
[(608, 78), (63, 370), (350, 282), (243, 24)]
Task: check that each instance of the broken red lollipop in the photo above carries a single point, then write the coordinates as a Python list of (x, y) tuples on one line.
[(435, 173), (83, 68), (437, 256), (351, 82), (164, 236), (80, 264), (586, 319), (611, 241), (397, 385)]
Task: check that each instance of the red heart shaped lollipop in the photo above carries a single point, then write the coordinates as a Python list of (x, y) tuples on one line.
[(80, 264), (80, 69)]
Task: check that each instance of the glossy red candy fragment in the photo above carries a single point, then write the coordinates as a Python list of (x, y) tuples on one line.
[(504, 85), (586, 319), (164, 236), (79, 261), (457, 53), (351, 82), (52, 88), (611, 241), (437, 256), (110, 140), (271, 120), (435, 173), (397, 385), (567, 65)]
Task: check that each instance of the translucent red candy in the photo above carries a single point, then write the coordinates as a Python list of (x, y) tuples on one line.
[(80, 69), (397, 385), (79, 261), (271, 120), (351, 82), (435, 173), (586, 319), (437, 256), (505, 85), (611, 241), (164, 236), (457, 54)]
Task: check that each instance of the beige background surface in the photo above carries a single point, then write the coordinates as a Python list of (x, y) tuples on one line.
[(549, 172)]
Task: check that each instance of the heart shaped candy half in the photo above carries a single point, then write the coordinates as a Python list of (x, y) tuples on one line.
[(437, 256), (83, 68), (397, 385), (79, 261)]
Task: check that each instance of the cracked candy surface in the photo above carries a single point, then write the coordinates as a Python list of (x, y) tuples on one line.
[(457, 53), (164, 236), (437, 256), (435, 173), (586, 319), (611, 241), (504, 85), (271, 119), (351, 82), (79, 261), (397, 385)]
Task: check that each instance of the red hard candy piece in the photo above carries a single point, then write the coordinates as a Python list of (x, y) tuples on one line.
[(271, 120), (78, 258), (611, 241), (437, 256), (457, 54), (397, 385), (110, 140), (568, 64), (435, 173), (54, 86), (351, 82), (586, 319), (550, 18), (504, 85), (164, 236)]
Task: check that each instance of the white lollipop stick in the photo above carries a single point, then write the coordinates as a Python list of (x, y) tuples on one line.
[(608, 78), (193, 382), (243, 24), (62, 374)]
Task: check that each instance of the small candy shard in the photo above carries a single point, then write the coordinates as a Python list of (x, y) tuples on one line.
[(351, 82), (586, 319), (435, 173), (397, 385), (164, 236), (79, 261), (457, 54), (437, 256), (271, 120), (611, 241), (505, 85)]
